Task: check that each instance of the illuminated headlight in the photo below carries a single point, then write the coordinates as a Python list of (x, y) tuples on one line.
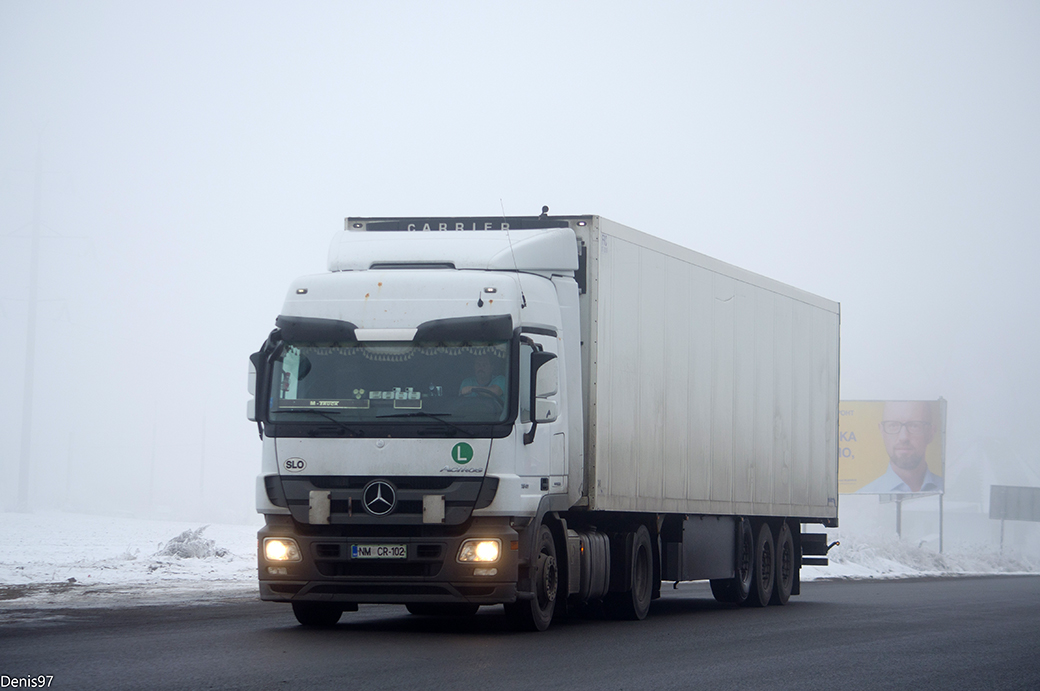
[(281, 549), (480, 550)]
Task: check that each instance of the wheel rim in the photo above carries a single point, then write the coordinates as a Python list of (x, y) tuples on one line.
[(549, 581), (641, 577), (746, 557), (786, 561), (767, 566)]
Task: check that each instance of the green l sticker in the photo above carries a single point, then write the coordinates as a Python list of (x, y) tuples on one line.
[(462, 453)]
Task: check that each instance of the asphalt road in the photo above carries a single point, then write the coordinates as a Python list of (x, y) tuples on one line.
[(951, 633)]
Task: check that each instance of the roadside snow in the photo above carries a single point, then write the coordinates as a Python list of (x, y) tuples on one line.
[(61, 560), (857, 557), (55, 560)]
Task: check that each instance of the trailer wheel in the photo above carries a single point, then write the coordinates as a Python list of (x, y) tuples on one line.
[(785, 567), (536, 614), (635, 603), (765, 569), (316, 614), (442, 609), (736, 590)]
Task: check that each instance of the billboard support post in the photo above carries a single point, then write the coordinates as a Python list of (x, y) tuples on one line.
[(899, 517), (898, 500), (940, 524)]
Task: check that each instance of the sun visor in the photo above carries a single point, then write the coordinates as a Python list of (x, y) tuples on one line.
[(313, 330), (496, 328)]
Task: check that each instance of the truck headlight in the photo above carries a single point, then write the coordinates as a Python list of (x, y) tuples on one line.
[(485, 550), (281, 549)]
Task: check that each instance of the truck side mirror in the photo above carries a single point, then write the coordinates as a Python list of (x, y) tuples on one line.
[(545, 382), (260, 379), (544, 411), (251, 405)]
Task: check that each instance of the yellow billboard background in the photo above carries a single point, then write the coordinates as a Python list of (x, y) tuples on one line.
[(862, 457)]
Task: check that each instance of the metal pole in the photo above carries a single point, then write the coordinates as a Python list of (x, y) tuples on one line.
[(899, 517), (202, 468), (940, 524), (30, 345), (151, 465), (68, 471)]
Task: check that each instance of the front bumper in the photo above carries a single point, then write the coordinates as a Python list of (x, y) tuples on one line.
[(430, 573)]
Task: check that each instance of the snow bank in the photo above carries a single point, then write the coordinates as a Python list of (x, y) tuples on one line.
[(863, 557), (191, 545), (60, 560)]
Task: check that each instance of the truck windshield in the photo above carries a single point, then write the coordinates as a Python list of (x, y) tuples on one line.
[(378, 382)]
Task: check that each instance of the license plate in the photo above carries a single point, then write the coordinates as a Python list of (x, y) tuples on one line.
[(378, 552)]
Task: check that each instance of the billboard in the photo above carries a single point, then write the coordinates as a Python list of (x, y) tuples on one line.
[(891, 447)]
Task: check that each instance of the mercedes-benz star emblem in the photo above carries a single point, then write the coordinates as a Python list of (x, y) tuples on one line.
[(379, 497)]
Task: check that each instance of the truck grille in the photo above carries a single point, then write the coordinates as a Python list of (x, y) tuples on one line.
[(461, 495)]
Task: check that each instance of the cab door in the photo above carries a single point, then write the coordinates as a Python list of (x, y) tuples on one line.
[(542, 455)]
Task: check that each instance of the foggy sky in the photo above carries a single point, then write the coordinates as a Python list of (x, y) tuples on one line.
[(197, 158)]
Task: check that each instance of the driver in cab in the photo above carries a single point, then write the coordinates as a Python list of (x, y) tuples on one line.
[(483, 381)]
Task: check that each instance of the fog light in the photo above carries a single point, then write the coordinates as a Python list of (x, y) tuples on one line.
[(482, 571), (281, 549), (480, 550), (277, 570)]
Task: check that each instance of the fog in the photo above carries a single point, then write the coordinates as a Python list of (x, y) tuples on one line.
[(193, 159)]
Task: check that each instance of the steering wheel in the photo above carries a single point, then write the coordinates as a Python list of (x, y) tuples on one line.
[(488, 393)]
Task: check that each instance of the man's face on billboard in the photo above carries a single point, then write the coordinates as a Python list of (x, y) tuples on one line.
[(907, 428)]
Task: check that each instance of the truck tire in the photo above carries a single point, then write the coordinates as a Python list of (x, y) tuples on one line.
[(634, 604), (442, 609), (765, 568), (316, 614), (785, 566), (536, 614), (736, 590)]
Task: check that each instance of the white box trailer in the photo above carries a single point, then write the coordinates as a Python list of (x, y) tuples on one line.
[(539, 412), (709, 389)]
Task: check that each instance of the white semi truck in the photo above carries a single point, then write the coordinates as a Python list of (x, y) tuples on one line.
[(548, 413)]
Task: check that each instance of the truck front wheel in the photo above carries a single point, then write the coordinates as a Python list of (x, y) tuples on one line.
[(316, 613), (536, 614)]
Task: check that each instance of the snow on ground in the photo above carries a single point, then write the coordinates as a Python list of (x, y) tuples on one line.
[(61, 560), (50, 560), (862, 557)]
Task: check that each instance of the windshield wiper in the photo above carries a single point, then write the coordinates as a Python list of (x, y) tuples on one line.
[(439, 417), (339, 423)]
